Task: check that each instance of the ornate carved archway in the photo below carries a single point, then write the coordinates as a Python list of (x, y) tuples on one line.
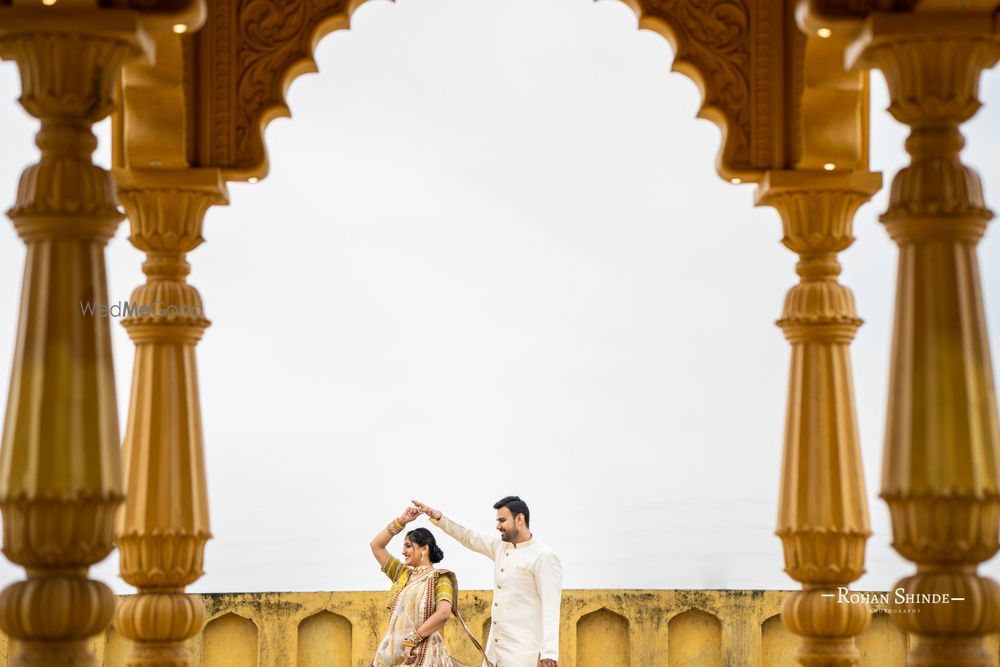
[(748, 58), (763, 82)]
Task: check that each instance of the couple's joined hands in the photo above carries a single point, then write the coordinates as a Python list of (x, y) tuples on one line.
[(408, 515), (418, 508), (421, 508)]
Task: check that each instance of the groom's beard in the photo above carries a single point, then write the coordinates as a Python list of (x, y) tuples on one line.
[(510, 535)]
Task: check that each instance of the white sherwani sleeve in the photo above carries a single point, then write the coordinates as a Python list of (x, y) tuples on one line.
[(470, 539), (548, 580)]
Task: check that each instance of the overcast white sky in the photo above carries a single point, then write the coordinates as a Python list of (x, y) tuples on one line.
[(493, 257)]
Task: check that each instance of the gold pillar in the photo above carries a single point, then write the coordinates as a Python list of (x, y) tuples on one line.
[(162, 531), (942, 445), (823, 512), (60, 473)]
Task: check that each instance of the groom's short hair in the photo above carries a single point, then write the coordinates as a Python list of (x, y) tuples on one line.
[(516, 506)]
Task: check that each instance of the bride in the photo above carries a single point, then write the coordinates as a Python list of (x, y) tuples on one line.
[(421, 599)]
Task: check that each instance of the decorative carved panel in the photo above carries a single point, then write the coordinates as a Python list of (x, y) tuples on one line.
[(734, 50), (240, 65)]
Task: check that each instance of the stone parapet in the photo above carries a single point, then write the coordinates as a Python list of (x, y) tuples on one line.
[(600, 628)]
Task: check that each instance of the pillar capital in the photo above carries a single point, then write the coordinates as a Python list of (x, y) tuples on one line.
[(70, 58), (166, 207), (166, 210), (69, 61), (931, 61), (932, 64), (817, 207), (817, 212)]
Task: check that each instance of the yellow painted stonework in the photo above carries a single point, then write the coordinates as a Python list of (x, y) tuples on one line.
[(600, 628)]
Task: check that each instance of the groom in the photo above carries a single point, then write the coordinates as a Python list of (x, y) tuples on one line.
[(527, 591)]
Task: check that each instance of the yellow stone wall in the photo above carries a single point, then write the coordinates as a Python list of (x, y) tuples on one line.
[(600, 628)]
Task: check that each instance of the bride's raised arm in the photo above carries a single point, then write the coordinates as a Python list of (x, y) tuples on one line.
[(395, 527)]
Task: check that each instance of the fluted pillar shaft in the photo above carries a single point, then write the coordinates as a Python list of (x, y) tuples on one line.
[(60, 472), (942, 446), (823, 512), (162, 531)]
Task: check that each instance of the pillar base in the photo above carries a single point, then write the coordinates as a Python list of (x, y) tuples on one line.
[(949, 652), (52, 654), (158, 655), (833, 652)]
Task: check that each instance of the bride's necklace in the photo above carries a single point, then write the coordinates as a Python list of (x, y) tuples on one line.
[(421, 569)]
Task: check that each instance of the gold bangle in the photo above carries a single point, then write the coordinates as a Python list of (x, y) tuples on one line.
[(394, 527)]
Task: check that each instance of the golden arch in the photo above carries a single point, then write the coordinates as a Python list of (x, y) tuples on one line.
[(228, 81)]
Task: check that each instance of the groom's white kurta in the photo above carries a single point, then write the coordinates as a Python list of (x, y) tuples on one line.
[(527, 592)]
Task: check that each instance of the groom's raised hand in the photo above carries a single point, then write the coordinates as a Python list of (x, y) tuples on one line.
[(426, 509)]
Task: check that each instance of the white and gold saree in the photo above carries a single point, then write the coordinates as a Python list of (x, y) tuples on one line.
[(411, 602)]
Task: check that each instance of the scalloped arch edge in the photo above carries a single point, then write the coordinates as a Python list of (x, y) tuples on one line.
[(342, 21)]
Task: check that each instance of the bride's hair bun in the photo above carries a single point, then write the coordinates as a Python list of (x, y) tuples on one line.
[(425, 538)]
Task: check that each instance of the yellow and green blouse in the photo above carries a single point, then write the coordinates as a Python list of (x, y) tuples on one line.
[(443, 589)]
